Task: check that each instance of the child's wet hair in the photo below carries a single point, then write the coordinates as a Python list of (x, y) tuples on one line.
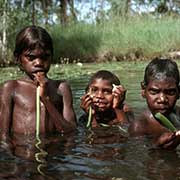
[(32, 37), (160, 68), (105, 75)]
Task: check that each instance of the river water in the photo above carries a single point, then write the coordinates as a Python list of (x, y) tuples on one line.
[(98, 154)]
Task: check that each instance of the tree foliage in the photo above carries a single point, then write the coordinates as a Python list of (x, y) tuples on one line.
[(15, 14)]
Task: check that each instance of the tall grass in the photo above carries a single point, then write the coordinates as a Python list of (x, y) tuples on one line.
[(117, 37)]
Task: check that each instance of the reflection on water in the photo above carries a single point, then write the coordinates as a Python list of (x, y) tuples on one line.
[(101, 154)]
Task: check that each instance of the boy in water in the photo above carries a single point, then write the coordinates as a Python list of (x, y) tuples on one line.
[(160, 88), (105, 96), (34, 53)]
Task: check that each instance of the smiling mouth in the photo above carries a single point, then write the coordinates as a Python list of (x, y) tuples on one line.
[(100, 104)]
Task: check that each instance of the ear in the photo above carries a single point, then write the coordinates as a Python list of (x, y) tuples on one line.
[(143, 87), (18, 61)]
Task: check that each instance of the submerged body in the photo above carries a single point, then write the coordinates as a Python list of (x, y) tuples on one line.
[(20, 97), (106, 97), (34, 53), (160, 88)]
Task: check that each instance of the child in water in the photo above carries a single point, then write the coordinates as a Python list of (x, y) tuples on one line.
[(34, 53), (105, 96), (160, 88)]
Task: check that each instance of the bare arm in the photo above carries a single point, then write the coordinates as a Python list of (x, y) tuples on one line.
[(138, 127), (6, 103), (68, 111), (66, 121), (161, 137), (168, 140), (123, 112)]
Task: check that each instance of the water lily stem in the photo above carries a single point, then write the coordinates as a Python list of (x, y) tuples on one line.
[(37, 111), (89, 113)]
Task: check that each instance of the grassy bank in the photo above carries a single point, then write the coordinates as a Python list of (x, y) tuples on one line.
[(117, 39)]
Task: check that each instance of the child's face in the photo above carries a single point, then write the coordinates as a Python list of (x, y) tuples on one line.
[(101, 93), (37, 60), (161, 95)]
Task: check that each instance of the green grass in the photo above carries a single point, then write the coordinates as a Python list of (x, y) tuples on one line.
[(137, 37), (146, 36)]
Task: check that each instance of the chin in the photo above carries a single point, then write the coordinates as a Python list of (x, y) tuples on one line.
[(100, 109), (164, 112)]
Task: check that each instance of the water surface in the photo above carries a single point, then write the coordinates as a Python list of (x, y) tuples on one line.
[(89, 155)]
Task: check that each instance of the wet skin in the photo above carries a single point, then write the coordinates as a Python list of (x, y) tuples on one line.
[(17, 101), (35, 61), (101, 92), (104, 101), (161, 96)]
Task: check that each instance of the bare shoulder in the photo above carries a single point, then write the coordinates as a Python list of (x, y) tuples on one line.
[(58, 82), (8, 85), (64, 86), (141, 124)]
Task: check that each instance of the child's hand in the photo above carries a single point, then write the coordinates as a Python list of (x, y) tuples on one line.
[(86, 101), (169, 140), (119, 93), (41, 80)]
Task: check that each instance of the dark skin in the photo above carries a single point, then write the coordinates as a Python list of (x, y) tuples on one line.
[(161, 96), (105, 102), (18, 99)]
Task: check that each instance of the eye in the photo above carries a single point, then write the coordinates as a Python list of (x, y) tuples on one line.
[(30, 57), (107, 91), (170, 92), (94, 90), (153, 91)]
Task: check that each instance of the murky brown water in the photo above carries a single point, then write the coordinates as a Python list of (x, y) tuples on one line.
[(94, 155)]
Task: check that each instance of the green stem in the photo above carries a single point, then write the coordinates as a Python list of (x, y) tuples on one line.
[(167, 123), (89, 113), (89, 117), (37, 112), (39, 156)]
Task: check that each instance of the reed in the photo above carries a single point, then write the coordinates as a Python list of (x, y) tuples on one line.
[(37, 111), (39, 156), (90, 113), (166, 122)]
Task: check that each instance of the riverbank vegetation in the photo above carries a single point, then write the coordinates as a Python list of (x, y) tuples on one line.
[(111, 30), (135, 38)]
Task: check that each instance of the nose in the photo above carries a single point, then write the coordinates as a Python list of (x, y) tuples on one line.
[(38, 62), (99, 94), (162, 98)]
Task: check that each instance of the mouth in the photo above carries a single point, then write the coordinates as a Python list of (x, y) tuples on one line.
[(100, 104), (38, 70), (162, 110)]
